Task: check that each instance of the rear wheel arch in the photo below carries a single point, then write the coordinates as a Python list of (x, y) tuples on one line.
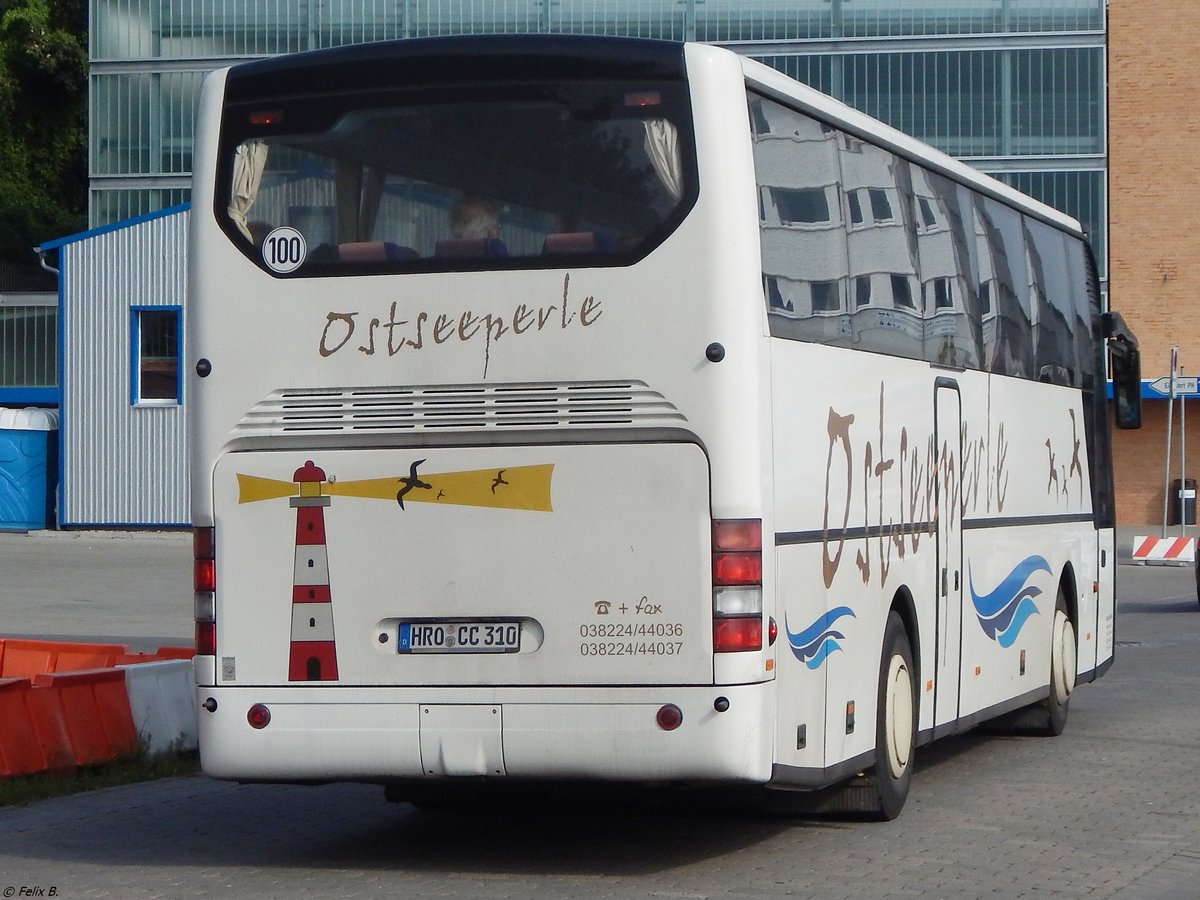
[(1068, 589), (903, 605)]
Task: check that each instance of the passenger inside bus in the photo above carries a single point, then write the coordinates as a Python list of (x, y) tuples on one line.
[(475, 224)]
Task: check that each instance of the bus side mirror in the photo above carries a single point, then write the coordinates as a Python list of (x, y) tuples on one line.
[(1127, 385), (1126, 364)]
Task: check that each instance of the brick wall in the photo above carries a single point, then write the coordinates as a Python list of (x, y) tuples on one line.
[(1154, 220), (1139, 461)]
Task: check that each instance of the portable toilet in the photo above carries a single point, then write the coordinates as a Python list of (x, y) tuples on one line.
[(28, 468)]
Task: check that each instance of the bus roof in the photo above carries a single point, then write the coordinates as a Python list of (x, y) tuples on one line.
[(450, 60), (794, 93)]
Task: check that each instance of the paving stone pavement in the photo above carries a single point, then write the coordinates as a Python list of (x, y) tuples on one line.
[(1109, 809)]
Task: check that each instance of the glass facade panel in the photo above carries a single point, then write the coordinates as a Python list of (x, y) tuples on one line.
[(755, 20), (1078, 194), (1057, 102), (142, 123), (972, 103), (117, 204), (181, 29), (176, 29)]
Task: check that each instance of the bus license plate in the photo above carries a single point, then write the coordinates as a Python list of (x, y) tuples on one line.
[(460, 637)]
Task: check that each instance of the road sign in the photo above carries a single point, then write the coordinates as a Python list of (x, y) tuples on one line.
[(1183, 385)]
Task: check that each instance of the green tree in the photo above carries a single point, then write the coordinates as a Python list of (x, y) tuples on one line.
[(43, 122)]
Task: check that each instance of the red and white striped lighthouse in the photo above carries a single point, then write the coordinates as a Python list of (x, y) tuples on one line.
[(313, 653)]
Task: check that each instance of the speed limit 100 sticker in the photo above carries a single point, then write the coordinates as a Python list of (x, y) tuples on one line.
[(283, 250)]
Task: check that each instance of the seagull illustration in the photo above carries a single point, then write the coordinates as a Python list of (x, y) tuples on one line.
[(412, 481), (499, 480)]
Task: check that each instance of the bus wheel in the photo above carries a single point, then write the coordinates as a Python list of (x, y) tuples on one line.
[(1062, 671), (895, 720)]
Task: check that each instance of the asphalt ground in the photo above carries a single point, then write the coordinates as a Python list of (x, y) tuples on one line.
[(126, 587)]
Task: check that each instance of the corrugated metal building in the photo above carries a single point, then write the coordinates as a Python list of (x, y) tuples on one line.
[(123, 450)]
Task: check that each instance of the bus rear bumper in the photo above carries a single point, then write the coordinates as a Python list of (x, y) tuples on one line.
[(387, 734)]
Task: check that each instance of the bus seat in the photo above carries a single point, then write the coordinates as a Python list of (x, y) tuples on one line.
[(575, 242), (464, 248), (374, 251)]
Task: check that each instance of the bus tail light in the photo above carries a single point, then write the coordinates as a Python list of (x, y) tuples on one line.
[(204, 582), (737, 585)]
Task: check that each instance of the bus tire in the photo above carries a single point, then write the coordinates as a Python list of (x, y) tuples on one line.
[(1063, 654), (895, 720)]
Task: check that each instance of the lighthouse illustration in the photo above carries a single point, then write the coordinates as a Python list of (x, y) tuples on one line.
[(313, 655)]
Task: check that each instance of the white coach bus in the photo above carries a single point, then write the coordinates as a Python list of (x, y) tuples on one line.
[(594, 409)]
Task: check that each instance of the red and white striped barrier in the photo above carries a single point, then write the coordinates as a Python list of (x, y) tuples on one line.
[(1167, 551)]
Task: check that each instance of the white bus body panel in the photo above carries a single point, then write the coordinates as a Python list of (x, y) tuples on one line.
[(862, 482), (392, 733)]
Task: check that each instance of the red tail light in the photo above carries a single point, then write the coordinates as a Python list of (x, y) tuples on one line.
[(737, 568), (743, 633), (737, 585), (204, 580), (206, 639)]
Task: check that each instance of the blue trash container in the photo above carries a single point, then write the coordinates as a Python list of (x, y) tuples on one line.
[(28, 468)]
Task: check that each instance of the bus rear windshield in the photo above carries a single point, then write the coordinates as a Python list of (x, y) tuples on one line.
[(450, 179)]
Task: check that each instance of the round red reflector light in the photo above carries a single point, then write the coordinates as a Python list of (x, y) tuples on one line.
[(669, 717), (258, 716)]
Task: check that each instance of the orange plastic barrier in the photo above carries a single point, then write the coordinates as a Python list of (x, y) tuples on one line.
[(21, 658), (19, 755), (64, 704), (96, 712), (50, 729)]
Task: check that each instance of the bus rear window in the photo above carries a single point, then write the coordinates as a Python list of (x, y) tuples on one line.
[(448, 180)]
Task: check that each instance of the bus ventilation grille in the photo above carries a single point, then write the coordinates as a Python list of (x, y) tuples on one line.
[(591, 404)]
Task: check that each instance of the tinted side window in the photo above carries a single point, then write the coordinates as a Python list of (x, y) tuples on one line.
[(1053, 306), (952, 334), (1008, 327), (882, 253), (865, 250), (801, 223)]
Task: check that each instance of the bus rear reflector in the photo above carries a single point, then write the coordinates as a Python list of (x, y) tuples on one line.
[(258, 716), (669, 717)]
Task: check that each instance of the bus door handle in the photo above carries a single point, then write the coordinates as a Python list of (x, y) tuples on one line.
[(944, 590)]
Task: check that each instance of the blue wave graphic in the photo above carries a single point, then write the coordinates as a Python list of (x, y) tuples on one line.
[(1003, 612), (813, 645)]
